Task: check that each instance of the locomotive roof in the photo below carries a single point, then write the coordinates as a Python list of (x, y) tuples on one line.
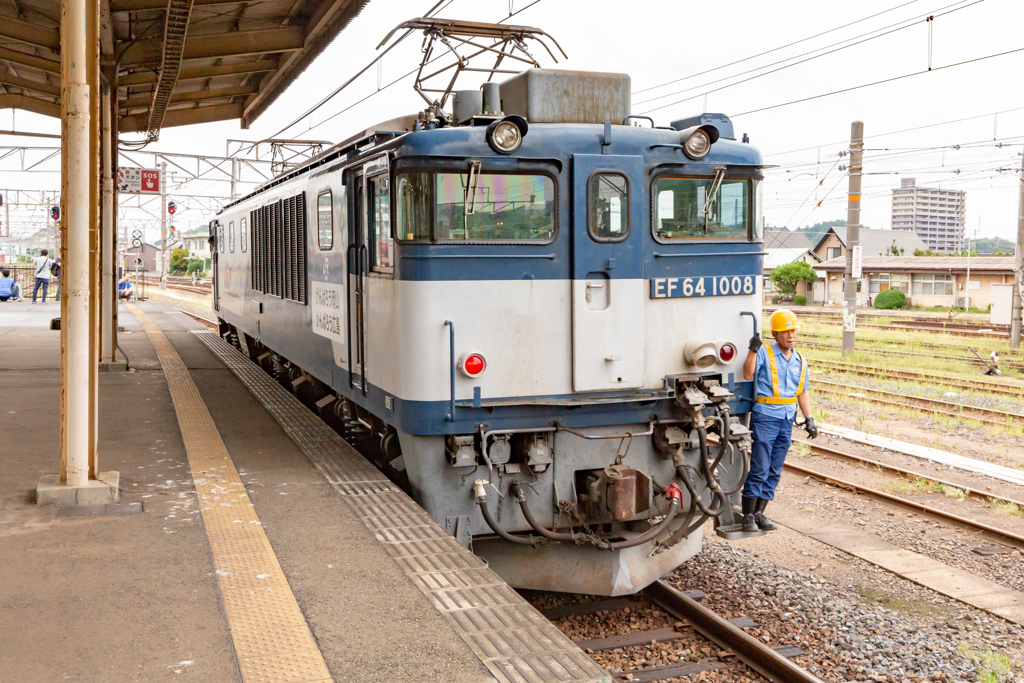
[(544, 141)]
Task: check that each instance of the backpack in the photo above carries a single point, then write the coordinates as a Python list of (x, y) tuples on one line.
[(55, 269)]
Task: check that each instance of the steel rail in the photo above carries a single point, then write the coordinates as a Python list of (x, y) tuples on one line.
[(759, 657), (960, 407), (904, 472), (1017, 540), (205, 321), (924, 409), (1016, 365), (923, 327), (914, 319), (1005, 353), (943, 380)]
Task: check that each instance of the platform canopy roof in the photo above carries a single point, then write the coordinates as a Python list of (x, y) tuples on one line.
[(178, 62)]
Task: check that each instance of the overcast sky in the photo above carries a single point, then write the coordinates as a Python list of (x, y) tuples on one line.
[(664, 40)]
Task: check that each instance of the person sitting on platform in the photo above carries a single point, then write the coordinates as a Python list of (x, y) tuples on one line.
[(6, 285), (124, 287)]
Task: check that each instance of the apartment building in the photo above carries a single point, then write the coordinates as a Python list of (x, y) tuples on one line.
[(937, 216)]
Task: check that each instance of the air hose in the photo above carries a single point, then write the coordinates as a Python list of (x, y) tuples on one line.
[(480, 493)]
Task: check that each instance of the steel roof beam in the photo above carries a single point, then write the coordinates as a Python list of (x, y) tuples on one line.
[(25, 59), (31, 104), (218, 45), (175, 28), (133, 5), (33, 34), (173, 117), (28, 84), (201, 72), (190, 96), (329, 19)]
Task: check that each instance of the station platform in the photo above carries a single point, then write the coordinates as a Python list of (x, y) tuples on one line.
[(250, 543)]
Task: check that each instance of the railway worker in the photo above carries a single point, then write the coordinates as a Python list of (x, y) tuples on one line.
[(781, 377)]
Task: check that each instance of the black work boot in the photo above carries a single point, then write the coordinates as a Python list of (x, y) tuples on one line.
[(749, 522), (759, 518)]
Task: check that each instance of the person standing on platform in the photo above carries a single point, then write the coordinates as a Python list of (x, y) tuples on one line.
[(42, 263), (780, 385), (55, 273)]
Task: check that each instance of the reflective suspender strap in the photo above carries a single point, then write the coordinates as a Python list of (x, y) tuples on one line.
[(776, 398), (803, 374)]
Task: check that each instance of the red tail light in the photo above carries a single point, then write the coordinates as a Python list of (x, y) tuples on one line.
[(727, 353), (472, 364)]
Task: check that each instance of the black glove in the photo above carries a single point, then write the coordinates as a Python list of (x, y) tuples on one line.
[(812, 429), (755, 343)]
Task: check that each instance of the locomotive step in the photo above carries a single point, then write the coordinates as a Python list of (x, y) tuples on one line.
[(734, 532)]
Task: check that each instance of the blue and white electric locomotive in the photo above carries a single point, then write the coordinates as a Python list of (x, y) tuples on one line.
[(531, 313)]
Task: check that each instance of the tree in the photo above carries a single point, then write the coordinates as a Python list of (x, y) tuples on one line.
[(195, 265), (893, 250), (784, 278), (178, 262)]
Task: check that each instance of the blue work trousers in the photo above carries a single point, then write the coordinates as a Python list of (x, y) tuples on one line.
[(772, 437)]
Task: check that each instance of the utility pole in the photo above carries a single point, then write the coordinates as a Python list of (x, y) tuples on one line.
[(852, 236), (163, 225), (1018, 266), (967, 287)]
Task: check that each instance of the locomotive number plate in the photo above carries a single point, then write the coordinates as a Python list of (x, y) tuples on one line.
[(709, 285)]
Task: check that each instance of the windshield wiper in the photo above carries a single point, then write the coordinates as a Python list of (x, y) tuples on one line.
[(715, 184)]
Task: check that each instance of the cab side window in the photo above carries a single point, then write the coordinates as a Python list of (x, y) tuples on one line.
[(325, 221), (382, 245)]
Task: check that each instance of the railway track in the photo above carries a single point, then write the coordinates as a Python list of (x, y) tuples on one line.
[(1006, 364), (931, 323), (1013, 539), (964, 384), (205, 290), (999, 418), (772, 663), (1004, 353)]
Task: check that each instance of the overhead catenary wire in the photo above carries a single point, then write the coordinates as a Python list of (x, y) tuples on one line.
[(776, 49), (928, 17), (886, 80)]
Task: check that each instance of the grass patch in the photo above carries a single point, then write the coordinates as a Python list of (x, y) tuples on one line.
[(801, 448), (1005, 507), (954, 492), (904, 605), (916, 485), (992, 666)]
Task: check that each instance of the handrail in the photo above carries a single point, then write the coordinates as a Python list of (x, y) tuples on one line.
[(450, 417)]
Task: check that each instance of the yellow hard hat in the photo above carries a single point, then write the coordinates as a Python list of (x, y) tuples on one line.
[(783, 320)]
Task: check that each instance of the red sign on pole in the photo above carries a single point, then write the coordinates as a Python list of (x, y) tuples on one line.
[(138, 180)]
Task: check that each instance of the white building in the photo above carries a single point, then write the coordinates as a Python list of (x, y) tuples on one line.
[(937, 216)]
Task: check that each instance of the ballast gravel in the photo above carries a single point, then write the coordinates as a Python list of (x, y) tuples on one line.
[(846, 638), (846, 632)]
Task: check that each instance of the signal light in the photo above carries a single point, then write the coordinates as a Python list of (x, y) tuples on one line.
[(171, 208), (472, 364), (55, 213), (727, 353)]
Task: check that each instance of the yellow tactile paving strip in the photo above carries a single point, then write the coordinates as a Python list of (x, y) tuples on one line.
[(272, 640)]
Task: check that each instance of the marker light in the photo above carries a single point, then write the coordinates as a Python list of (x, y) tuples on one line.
[(506, 135), (472, 364), (727, 353)]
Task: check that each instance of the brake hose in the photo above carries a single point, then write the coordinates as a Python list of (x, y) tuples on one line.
[(481, 498)]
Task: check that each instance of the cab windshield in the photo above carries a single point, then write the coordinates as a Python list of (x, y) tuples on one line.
[(691, 208)]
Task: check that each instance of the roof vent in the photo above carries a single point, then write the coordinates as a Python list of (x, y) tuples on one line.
[(466, 104), (558, 96)]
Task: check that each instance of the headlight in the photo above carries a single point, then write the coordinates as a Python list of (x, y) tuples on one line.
[(701, 354), (697, 145), (506, 135)]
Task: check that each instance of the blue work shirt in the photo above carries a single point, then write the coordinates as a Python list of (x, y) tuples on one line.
[(6, 283), (789, 380)]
